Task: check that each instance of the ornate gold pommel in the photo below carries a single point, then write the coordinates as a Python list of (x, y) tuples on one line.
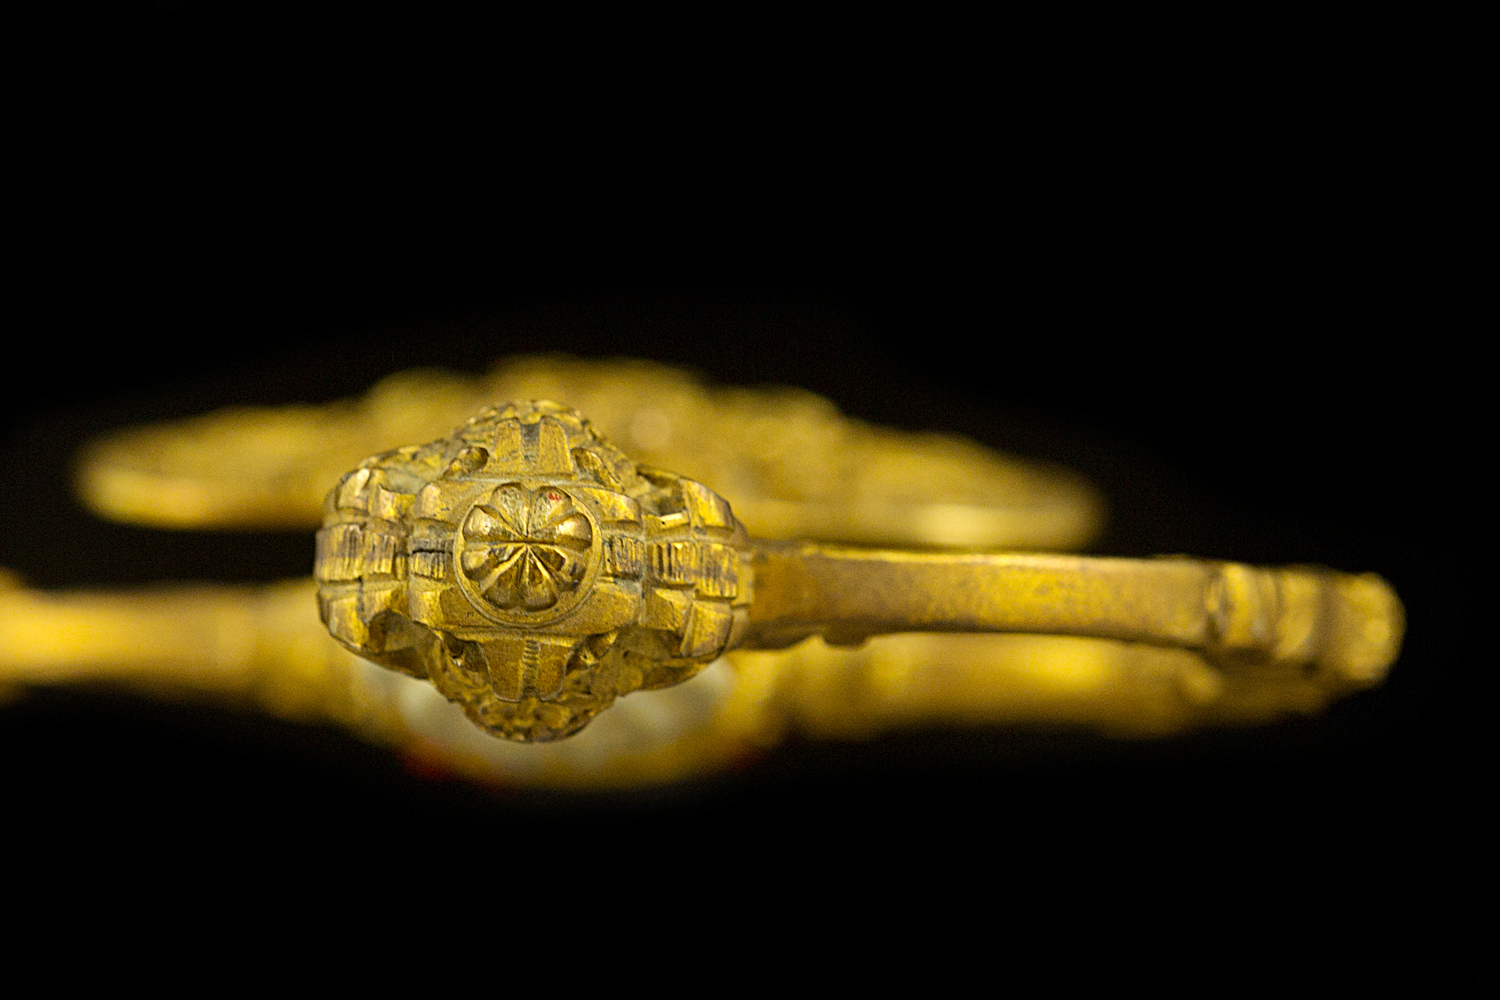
[(530, 570)]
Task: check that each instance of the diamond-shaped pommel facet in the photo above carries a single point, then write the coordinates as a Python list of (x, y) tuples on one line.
[(530, 570)]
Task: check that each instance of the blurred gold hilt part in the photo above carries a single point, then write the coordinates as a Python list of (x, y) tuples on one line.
[(794, 465)]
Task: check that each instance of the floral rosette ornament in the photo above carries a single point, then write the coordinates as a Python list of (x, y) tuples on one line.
[(530, 570), (525, 547)]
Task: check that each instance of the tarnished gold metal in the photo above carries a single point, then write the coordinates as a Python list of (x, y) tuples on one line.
[(1127, 647), (534, 574)]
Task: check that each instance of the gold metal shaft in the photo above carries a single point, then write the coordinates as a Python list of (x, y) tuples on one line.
[(1350, 625)]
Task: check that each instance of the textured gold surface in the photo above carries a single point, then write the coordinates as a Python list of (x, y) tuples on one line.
[(530, 570)]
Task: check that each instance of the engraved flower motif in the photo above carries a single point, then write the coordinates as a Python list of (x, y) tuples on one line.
[(524, 548)]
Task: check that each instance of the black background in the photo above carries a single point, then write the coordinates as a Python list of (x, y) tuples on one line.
[(1228, 310)]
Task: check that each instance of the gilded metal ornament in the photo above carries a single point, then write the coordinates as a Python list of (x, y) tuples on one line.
[(525, 574), (534, 574)]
